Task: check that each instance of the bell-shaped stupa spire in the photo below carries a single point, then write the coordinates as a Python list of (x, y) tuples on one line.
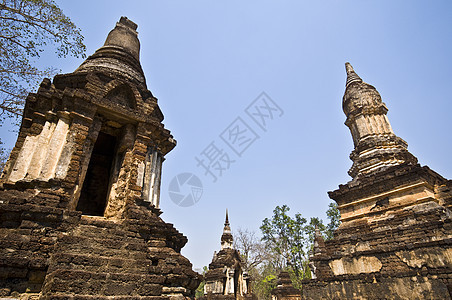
[(119, 54), (226, 237), (376, 145)]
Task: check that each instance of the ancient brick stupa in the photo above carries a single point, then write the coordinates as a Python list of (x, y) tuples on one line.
[(395, 238), (226, 278), (79, 199), (285, 289)]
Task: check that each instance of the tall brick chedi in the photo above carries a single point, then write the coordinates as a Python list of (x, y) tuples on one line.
[(79, 199), (394, 241)]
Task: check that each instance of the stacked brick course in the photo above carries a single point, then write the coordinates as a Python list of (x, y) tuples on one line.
[(285, 289)]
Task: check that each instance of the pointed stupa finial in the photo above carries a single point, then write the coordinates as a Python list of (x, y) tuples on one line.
[(226, 222), (226, 237), (376, 146), (351, 75)]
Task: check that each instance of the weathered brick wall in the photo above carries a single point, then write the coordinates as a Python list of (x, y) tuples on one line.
[(285, 289), (28, 233), (394, 252), (67, 254)]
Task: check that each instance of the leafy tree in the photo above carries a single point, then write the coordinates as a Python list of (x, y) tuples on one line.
[(200, 290), (310, 229), (27, 27), (289, 241), (285, 245), (334, 216), (327, 231), (265, 281), (287, 237)]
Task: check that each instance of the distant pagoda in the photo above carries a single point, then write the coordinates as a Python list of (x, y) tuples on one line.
[(226, 278)]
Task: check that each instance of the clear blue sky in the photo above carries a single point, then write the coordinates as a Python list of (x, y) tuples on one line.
[(206, 61)]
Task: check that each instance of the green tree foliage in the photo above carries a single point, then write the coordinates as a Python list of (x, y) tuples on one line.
[(334, 216), (28, 27), (310, 230), (287, 237), (288, 241), (265, 281), (285, 245), (200, 290)]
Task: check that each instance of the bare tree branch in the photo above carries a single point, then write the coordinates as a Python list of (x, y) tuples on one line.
[(27, 27)]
